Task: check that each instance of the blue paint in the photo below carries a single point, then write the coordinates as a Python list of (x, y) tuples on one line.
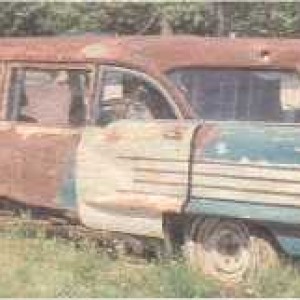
[(67, 196), (244, 210), (289, 216), (289, 244), (256, 143)]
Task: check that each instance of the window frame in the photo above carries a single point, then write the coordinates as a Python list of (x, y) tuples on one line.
[(48, 66), (99, 84)]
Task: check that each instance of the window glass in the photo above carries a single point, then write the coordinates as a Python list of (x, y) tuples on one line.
[(247, 95), (54, 97), (126, 95)]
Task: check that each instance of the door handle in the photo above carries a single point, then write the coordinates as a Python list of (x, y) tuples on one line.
[(173, 134)]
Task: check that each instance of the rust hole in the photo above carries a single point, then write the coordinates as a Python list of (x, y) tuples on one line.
[(264, 55)]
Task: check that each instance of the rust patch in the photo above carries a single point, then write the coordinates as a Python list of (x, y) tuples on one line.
[(206, 135), (140, 202), (112, 136), (175, 133), (32, 165), (164, 53)]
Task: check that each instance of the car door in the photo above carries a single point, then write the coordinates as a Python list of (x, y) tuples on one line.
[(5, 146), (132, 164), (45, 107)]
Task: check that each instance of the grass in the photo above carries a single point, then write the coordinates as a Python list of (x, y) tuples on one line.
[(40, 267), (283, 282)]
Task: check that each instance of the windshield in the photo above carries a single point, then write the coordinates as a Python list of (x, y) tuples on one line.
[(245, 95)]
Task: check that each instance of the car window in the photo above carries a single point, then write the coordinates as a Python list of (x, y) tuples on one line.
[(244, 95), (55, 97), (128, 95)]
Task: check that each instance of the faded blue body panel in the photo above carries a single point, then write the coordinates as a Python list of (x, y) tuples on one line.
[(244, 210), (256, 143), (260, 144), (289, 244), (67, 195)]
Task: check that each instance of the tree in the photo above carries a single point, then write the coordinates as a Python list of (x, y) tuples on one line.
[(202, 18)]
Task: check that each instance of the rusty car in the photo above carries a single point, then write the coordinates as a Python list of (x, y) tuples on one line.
[(186, 139)]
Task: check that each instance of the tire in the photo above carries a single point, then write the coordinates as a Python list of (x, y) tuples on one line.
[(227, 249)]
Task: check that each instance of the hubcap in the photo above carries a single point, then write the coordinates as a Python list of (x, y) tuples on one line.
[(230, 254), (226, 249)]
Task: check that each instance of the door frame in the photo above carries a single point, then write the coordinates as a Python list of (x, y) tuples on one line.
[(101, 68), (88, 100)]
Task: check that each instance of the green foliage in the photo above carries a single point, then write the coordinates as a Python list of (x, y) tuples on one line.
[(204, 18), (266, 19)]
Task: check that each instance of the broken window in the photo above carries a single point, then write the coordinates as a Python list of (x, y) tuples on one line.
[(49, 97), (246, 95), (128, 95)]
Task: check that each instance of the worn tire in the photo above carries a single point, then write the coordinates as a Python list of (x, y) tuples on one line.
[(227, 249)]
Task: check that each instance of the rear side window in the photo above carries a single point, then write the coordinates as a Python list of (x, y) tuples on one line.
[(49, 97), (244, 95)]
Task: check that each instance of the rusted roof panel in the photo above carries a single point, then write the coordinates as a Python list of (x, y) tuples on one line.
[(162, 53)]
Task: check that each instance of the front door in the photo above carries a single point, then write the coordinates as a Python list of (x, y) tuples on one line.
[(132, 164)]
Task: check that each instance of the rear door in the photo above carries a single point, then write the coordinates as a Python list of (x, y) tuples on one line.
[(5, 129), (45, 107)]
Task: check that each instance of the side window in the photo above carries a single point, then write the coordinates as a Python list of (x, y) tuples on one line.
[(48, 97), (243, 95), (128, 95)]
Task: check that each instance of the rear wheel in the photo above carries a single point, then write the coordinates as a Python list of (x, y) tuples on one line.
[(227, 249)]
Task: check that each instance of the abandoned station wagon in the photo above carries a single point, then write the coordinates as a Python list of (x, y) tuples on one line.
[(192, 140)]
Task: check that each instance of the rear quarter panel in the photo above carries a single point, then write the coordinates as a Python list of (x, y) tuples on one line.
[(248, 170)]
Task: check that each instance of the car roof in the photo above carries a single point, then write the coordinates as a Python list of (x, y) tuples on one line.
[(163, 53)]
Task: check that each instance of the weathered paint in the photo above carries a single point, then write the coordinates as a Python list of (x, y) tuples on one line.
[(109, 165), (282, 222), (66, 195), (244, 210), (161, 52), (250, 172), (34, 162), (287, 236), (289, 244), (254, 142), (125, 176), (248, 162)]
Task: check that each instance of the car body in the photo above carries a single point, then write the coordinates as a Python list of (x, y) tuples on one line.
[(133, 132)]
